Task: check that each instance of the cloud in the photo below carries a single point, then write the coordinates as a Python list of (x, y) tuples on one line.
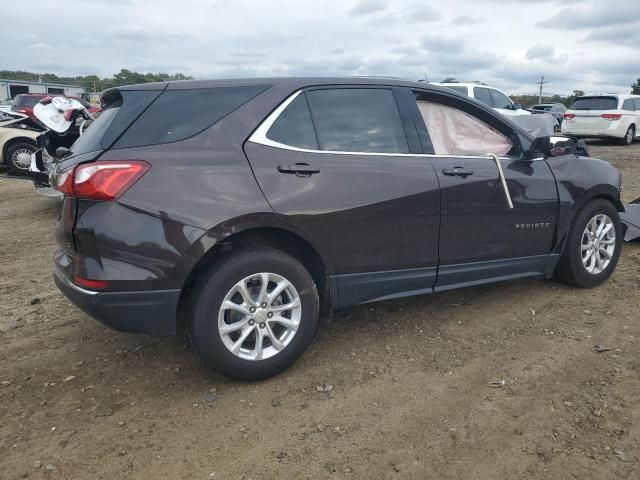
[(441, 44), (467, 20), (366, 7), (628, 35), (422, 13), (545, 53), (594, 15)]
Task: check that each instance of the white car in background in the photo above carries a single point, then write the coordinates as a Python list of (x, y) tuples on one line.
[(491, 96), (604, 116)]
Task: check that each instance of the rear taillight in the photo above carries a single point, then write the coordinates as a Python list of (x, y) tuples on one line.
[(611, 116), (93, 284), (105, 180), (569, 116)]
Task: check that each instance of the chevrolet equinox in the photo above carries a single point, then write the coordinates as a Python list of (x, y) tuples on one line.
[(243, 211)]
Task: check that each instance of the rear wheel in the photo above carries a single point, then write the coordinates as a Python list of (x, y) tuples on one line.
[(593, 246), (19, 155), (254, 313), (630, 136)]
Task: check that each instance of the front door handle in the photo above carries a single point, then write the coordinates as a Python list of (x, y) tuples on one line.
[(300, 169), (457, 172)]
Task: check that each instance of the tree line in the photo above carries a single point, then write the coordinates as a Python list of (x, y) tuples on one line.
[(93, 83)]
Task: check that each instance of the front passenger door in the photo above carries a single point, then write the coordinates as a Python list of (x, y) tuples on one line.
[(481, 237)]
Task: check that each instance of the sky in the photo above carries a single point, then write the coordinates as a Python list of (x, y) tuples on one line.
[(591, 45)]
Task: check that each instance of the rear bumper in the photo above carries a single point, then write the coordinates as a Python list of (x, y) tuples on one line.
[(152, 311)]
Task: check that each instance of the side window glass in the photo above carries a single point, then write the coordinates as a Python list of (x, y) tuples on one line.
[(456, 132), (628, 104), (483, 95), (357, 120), (180, 114), (636, 101), (294, 126), (500, 100)]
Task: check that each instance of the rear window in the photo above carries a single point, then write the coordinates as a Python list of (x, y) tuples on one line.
[(459, 88), (542, 108), (595, 103), (180, 114), (120, 110), (27, 100)]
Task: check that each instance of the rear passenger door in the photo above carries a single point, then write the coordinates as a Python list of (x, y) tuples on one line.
[(340, 163)]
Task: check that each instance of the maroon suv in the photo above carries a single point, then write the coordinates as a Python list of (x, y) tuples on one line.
[(246, 210)]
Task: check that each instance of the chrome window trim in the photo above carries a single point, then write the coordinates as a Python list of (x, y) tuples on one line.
[(259, 136)]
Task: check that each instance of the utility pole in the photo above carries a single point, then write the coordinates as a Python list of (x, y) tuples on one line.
[(542, 82)]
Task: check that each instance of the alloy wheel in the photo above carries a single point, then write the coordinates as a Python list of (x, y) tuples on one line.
[(598, 244), (259, 316)]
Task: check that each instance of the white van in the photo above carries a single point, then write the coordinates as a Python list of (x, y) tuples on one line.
[(491, 96), (604, 116)]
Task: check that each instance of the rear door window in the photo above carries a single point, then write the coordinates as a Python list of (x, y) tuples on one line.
[(357, 120), (294, 126), (180, 114), (595, 103), (483, 95), (500, 100)]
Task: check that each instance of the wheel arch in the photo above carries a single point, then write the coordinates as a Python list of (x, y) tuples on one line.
[(278, 237)]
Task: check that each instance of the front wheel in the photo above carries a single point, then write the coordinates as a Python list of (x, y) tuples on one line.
[(593, 246), (254, 313)]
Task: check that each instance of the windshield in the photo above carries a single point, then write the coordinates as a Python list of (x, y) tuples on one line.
[(595, 103)]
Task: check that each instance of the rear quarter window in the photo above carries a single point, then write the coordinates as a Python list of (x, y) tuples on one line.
[(459, 88), (595, 103), (180, 114), (120, 110), (628, 105)]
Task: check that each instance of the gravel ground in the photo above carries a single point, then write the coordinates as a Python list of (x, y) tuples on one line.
[(398, 389)]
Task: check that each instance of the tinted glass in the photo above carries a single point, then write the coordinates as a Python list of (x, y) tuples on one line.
[(595, 103), (28, 100), (542, 108), (628, 104), (459, 88), (294, 126), (120, 110), (358, 120), (483, 95), (636, 102), (500, 100), (180, 114)]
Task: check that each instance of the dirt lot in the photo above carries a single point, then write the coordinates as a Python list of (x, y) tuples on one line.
[(390, 390)]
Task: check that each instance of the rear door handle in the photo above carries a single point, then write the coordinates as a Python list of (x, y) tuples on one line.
[(457, 172), (300, 169)]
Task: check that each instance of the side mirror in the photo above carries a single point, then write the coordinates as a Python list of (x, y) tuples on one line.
[(517, 106), (540, 146)]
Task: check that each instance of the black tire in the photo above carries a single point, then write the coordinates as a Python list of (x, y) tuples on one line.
[(11, 151), (570, 269), (207, 297), (629, 136)]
